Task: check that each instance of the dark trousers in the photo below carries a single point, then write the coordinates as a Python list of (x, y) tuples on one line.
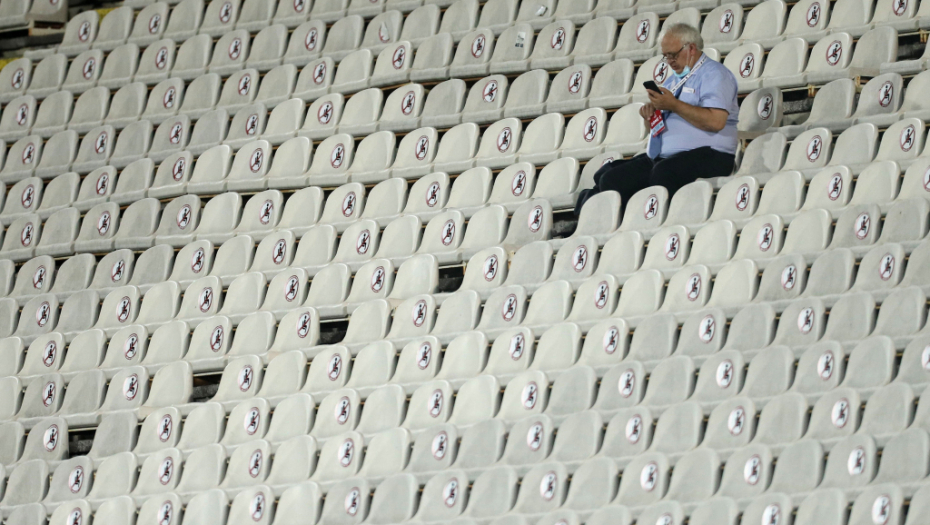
[(629, 176)]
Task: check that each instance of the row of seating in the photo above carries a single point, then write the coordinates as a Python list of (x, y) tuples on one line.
[(183, 220), (502, 143), (837, 106), (800, 463), (832, 277), (398, 501), (371, 401), (332, 294), (494, 96), (62, 201), (584, 138), (723, 27), (277, 130), (218, 169), (823, 375), (335, 162), (513, 349), (17, 14), (786, 65), (379, 377)]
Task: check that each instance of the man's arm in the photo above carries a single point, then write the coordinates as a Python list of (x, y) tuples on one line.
[(705, 119)]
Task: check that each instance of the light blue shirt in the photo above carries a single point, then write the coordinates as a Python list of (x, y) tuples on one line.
[(711, 86)]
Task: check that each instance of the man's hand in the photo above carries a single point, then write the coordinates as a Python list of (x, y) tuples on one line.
[(664, 101), (705, 119), (646, 112)]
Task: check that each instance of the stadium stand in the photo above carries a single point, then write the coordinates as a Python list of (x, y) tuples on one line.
[(297, 262)]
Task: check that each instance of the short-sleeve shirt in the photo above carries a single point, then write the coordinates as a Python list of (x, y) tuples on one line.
[(711, 86)]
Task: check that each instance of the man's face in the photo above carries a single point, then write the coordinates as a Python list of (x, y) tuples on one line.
[(676, 55)]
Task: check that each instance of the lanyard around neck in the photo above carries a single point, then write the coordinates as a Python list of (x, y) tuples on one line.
[(693, 70)]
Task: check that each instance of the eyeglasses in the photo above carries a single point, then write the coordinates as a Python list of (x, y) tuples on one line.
[(672, 56)]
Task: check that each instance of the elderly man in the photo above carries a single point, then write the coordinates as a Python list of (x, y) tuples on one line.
[(691, 120)]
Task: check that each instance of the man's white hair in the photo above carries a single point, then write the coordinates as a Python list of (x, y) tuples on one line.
[(686, 34)]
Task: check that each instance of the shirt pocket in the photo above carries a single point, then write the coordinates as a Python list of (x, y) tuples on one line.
[(693, 98)]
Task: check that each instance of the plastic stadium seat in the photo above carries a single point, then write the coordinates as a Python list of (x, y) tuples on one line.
[(84, 71), (354, 72), (473, 54), (238, 90), (150, 24), (186, 17), (420, 24), (722, 27), (315, 79), (806, 20), (164, 100), (343, 37), (80, 33), (202, 471), (596, 41), (512, 50), (832, 109), (329, 10), (746, 63), (61, 193), (268, 48), (653, 69), (28, 483), (785, 63), (554, 46), (120, 66), (126, 105), (882, 100), (877, 46), (255, 15), (114, 29), (381, 30), (393, 64), (192, 57), (604, 90), (230, 52), (322, 117), (53, 114), (90, 109), (764, 22), (170, 137), (24, 155), (486, 99), (247, 124), (15, 77), (220, 17), (402, 108), (777, 318), (433, 58), (48, 76), (444, 104), (291, 14), (60, 151), (570, 87), (306, 43), (132, 143), (907, 66), (18, 117), (250, 165), (13, 14)]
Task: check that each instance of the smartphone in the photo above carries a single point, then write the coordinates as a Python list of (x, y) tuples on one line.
[(651, 86)]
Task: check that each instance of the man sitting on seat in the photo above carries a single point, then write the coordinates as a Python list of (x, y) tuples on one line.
[(692, 124)]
